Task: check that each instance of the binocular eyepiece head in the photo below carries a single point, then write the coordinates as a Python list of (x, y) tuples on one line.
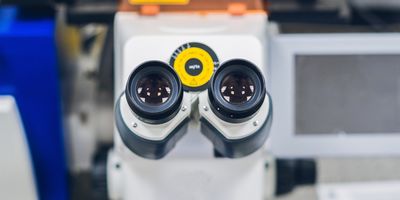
[(150, 118)]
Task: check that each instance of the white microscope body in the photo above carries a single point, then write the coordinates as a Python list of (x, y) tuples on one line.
[(188, 166)]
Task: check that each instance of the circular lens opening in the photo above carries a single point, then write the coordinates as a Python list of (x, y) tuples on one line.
[(237, 88), (154, 89)]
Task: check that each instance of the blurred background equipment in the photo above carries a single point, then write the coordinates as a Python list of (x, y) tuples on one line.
[(332, 75), (17, 178), (29, 74), (342, 90)]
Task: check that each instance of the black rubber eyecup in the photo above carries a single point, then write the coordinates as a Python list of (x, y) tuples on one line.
[(237, 112), (154, 113)]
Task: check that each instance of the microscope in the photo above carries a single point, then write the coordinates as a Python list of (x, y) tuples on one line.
[(192, 111)]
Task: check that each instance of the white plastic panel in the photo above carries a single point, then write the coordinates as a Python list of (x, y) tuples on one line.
[(16, 177), (389, 190), (183, 179)]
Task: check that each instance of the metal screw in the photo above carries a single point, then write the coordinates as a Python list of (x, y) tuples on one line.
[(205, 108), (117, 165), (184, 108), (134, 125), (255, 123)]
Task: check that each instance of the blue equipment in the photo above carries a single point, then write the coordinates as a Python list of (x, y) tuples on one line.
[(29, 72)]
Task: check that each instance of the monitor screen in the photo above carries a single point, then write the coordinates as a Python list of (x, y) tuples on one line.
[(347, 94)]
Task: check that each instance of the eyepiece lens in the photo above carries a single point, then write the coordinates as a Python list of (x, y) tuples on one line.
[(237, 88), (154, 89)]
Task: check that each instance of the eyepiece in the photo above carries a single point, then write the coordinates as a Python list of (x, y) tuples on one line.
[(154, 92), (148, 116), (153, 89), (237, 91), (237, 88)]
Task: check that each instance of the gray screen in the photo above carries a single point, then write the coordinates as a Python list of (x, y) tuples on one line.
[(347, 94)]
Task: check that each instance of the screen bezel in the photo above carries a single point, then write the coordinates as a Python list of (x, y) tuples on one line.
[(284, 141)]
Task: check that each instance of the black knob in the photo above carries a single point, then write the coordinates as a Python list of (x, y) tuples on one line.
[(294, 172), (99, 174)]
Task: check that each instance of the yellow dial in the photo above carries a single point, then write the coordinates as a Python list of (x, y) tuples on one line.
[(195, 64)]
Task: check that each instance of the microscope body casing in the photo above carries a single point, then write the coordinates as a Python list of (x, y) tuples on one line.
[(190, 170)]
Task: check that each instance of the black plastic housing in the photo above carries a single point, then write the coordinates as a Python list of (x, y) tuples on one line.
[(150, 149), (237, 148)]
